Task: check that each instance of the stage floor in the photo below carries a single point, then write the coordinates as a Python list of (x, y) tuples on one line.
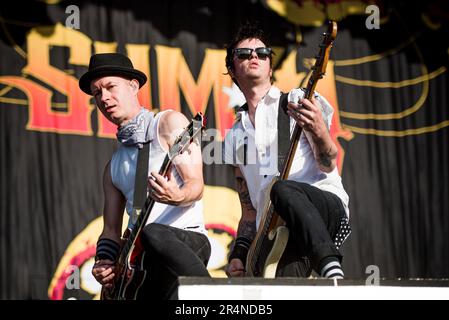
[(191, 288)]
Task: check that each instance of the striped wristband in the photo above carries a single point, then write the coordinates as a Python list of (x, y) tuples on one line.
[(107, 249), (240, 250)]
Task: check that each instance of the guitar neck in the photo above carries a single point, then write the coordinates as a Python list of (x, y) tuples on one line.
[(296, 135), (308, 93), (143, 217)]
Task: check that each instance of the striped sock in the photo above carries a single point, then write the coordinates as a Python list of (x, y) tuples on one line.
[(331, 269)]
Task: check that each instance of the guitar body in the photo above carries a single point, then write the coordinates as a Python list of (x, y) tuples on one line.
[(130, 279), (279, 237), (273, 246), (270, 243)]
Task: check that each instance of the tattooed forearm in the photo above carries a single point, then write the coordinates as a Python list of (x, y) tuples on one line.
[(247, 224), (325, 159), (247, 229), (324, 150), (244, 196)]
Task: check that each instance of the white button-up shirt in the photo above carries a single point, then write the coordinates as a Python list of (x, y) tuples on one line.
[(254, 151)]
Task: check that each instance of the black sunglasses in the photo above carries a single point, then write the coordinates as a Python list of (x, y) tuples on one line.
[(246, 53)]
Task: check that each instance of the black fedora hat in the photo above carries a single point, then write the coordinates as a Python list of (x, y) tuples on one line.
[(110, 64)]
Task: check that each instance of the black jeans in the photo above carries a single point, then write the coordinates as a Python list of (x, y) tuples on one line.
[(313, 218), (169, 253)]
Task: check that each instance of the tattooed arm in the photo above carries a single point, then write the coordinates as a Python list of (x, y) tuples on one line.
[(246, 231), (308, 116)]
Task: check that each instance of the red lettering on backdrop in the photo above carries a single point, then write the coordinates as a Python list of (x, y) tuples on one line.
[(75, 119), (174, 75), (41, 116)]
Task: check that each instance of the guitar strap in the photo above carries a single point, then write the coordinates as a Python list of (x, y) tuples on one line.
[(141, 180), (283, 131)]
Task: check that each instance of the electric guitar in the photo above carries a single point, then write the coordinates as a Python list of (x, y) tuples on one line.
[(129, 271), (272, 236)]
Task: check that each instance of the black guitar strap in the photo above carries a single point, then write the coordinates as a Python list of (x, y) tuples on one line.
[(141, 180), (283, 131)]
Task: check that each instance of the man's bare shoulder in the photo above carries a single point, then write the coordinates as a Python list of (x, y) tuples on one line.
[(171, 124), (172, 120)]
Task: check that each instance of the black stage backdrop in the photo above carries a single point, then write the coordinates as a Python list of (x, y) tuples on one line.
[(388, 86)]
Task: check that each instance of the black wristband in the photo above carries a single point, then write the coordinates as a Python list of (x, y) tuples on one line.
[(107, 249), (240, 250)]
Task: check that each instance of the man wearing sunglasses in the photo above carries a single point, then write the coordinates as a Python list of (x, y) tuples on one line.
[(312, 202)]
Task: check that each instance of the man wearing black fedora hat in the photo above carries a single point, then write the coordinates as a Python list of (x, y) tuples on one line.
[(174, 239)]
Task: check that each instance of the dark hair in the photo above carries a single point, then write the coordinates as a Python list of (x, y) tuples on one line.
[(249, 30)]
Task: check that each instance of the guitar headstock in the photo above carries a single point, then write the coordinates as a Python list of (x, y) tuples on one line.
[(331, 34), (322, 58), (193, 130)]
